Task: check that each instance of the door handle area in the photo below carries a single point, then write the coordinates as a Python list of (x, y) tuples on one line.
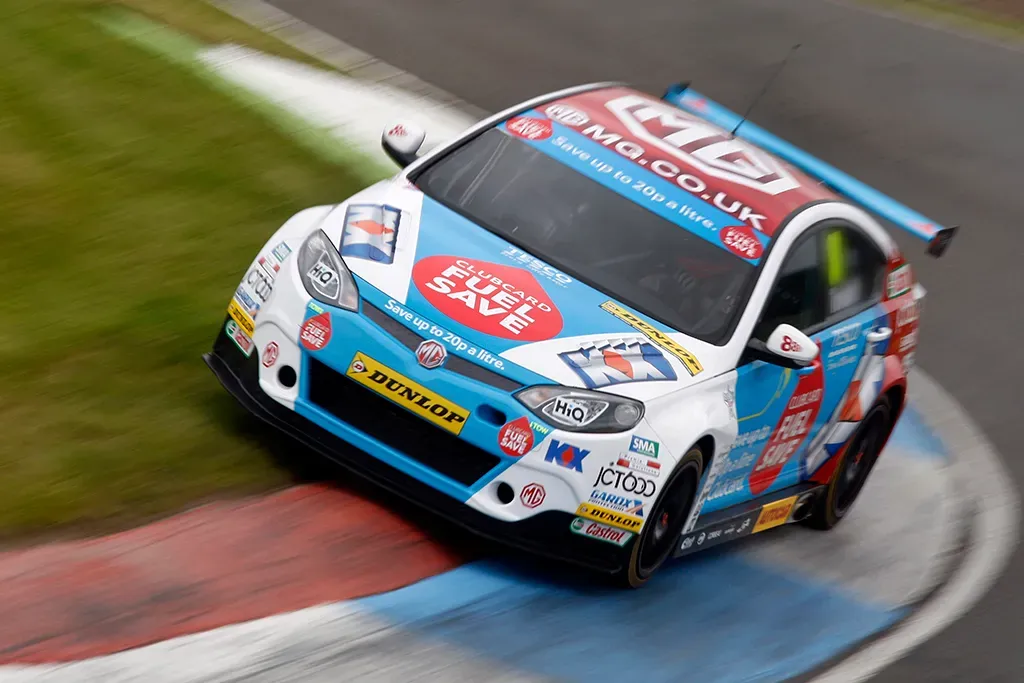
[(879, 335)]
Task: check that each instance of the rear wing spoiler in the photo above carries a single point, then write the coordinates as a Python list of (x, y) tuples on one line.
[(937, 236)]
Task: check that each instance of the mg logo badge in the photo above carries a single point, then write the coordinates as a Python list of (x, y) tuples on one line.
[(431, 354)]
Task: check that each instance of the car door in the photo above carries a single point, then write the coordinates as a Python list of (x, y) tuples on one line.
[(853, 341), (774, 405)]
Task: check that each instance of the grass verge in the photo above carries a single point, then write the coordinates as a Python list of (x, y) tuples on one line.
[(132, 197), (998, 19)]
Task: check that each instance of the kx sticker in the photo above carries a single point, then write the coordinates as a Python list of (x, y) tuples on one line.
[(408, 394), (688, 360)]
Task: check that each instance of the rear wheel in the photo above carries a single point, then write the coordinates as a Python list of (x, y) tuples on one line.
[(857, 462), (665, 520)]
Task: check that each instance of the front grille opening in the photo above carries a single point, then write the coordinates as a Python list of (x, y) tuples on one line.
[(368, 412)]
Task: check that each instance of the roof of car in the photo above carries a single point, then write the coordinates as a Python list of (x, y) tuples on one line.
[(672, 158)]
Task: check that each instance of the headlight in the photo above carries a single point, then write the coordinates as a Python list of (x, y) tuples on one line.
[(324, 274), (579, 410)]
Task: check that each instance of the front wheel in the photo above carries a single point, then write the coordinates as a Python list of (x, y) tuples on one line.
[(857, 462), (665, 521)]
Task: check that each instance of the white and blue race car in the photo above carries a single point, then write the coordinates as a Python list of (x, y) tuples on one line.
[(600, 326)]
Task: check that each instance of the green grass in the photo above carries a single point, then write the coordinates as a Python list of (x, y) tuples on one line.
[(978, 17), (132, 197)]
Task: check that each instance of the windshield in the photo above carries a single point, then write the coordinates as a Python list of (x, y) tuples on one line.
[(592, 233)]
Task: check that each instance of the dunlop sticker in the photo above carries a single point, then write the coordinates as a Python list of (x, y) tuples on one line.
[(688, 360), (407, 393), (611, 517)]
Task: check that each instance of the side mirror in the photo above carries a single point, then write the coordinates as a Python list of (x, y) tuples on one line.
[(401, 141), (786, 346)]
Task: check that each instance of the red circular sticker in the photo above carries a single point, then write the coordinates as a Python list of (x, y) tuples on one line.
[(316, 332), (495, 299), (270, 354), (529, 128), (741, 240), (515, 439), (532, 495), (792, 429)]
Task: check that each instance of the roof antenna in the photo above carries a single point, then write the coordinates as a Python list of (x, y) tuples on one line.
[(767, 85)]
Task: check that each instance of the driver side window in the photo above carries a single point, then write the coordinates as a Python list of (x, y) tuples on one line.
[(797, 295)]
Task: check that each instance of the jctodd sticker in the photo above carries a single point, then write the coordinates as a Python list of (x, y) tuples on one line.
[(495, 299)]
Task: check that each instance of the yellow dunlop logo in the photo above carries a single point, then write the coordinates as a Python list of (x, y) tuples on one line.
[(610, 517), (774, 514), (688, 360), (243, 319), (408, 394)]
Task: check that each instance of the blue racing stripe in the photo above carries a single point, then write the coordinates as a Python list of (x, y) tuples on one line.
[(713, 618)]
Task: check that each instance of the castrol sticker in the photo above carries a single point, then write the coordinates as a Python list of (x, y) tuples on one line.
[(791, 430), (742, 241), (529, 128), (495, 299)]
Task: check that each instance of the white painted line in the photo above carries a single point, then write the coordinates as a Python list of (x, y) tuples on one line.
[(987, 484)]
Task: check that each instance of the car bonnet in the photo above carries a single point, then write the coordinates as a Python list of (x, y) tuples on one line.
[(494, 304)]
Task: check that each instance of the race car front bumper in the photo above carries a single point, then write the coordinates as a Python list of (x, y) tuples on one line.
[(547, 534)]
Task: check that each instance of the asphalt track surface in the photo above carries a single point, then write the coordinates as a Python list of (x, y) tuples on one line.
[(931, 117)]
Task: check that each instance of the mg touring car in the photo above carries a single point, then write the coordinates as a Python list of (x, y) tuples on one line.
[(601, 326)]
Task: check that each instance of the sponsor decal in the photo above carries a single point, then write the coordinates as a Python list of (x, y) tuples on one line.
[(324, 278), (774, 514), (646, 447), (611, 517), (793, 426), (566, 115), (315, 333), (431, 354), (371, 232), (281, 251), (848, 334), (566, 455), (613, 501), (908, 314), (270, 354), (790, 345), (269, 267), (713, 535), (260, 281), (398, 131), (250, 304), (688, 360), (574, 411), (495, 299), (602, 532), (532, 495), (729, 398), (603, 363), (241, 339), (537, 266), (626, 481), (701, 145), (402, 391), (515, 438), (651, 468), (539, 429), (243, 319), (427, 328), (529, 128), (741, 240), (899, 281)]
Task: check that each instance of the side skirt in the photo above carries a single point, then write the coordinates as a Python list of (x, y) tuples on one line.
[(786, 506)]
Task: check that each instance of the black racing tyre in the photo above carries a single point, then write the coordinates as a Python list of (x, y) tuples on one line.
[(666, 520), (852, 472)]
